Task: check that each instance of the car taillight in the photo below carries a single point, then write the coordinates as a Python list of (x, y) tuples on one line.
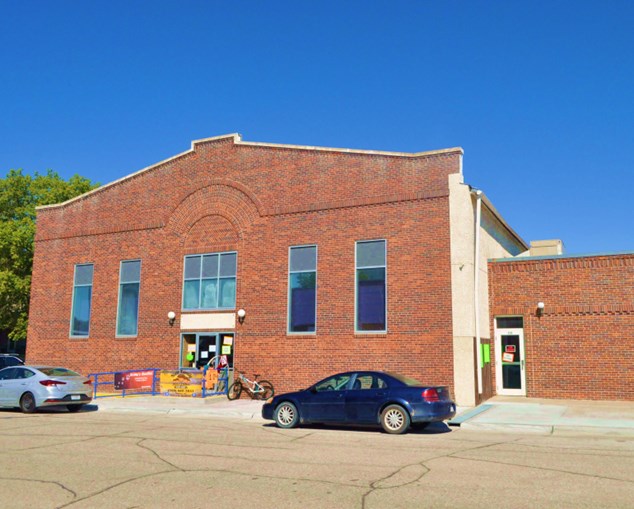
[(88, 382), (430, 395), (48, 383)]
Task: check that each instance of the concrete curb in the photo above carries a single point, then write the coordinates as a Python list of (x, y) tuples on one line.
[(541, 429)]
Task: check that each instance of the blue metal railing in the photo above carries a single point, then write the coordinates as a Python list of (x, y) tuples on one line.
[(114, 378), (220, 387), (122, 383)]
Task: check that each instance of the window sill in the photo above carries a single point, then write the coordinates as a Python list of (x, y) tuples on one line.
[(78, 338), (369, 334), (214, 310), (301, 334)]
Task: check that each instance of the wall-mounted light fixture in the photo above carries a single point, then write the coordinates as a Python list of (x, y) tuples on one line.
[(241, 314), (171, 316), (540, 308)]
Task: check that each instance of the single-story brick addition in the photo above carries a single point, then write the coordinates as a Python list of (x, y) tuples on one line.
[(298, 262)]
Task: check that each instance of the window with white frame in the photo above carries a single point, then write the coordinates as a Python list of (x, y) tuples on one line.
[(82, 299), (128, 309), (371, 290), (210, 281), (302, 288)]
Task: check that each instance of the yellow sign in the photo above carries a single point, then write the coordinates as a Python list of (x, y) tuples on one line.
[(226, 350), (212, 378), (175, 383)]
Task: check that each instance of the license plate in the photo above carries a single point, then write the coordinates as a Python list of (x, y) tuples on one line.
[(75, 397)]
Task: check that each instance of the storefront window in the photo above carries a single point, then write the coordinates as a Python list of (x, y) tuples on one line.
[(371, 286), (210, 281), (82, 298), (128, 311), (302, 298)]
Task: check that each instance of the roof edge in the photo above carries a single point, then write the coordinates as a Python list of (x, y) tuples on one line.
[(559, 257), (237, 140), (443, 151), (498, 216)]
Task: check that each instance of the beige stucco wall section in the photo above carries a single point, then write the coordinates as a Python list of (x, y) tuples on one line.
[(205, 321), (462, 220), (462, 234)]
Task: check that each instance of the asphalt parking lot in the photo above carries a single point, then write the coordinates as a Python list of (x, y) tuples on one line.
[(123, 459)]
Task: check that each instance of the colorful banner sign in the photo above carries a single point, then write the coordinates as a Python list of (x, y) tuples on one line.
[(133, 380), (182, 383)]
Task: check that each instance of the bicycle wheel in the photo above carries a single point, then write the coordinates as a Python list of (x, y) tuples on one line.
[(235, 389), (266, 391)]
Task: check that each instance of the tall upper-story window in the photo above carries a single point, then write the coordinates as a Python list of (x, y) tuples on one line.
[(128, 310), (302, 289), (371, 289), (210, 281), (82, 298)]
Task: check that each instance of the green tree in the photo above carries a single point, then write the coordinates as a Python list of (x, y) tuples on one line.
[(19, 195)]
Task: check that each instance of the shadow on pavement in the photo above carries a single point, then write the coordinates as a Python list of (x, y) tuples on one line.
[(434, 428), (50, 410)]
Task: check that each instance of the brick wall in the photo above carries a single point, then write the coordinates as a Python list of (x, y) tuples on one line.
[(257, 200), (582, 347)]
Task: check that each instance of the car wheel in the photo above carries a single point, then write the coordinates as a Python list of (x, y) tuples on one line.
[(286, 415), (395, 419), (74, 408), (27, 403)]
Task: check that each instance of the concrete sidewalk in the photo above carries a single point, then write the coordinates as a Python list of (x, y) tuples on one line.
[(500, 413), (548, 416), (217, 406)]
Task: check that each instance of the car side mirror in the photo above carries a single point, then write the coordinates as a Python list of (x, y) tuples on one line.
[(313, 389)]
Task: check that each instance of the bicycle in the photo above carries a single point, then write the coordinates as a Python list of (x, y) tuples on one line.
[(257, 389)]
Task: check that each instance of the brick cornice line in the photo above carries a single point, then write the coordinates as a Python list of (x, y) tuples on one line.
[(104, 231), (357, 202), (315, 207), (567, 310), (588, 262)]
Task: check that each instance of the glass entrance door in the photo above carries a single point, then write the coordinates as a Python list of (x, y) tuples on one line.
[(199, 348), (511, 379)]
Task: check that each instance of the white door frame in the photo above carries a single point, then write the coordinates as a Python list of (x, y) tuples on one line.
[(498, 362)]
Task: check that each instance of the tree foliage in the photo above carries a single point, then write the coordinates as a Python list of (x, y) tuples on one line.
[(19, 195)]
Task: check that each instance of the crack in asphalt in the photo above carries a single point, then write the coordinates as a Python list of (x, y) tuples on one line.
[(545, 469), (157, 455), (374, 486), (112, 486), (399, 477), (56, 483)]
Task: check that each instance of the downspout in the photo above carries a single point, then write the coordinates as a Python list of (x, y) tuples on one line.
[(476, 286)]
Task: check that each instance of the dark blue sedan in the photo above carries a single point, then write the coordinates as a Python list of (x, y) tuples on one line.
[(363, 397)]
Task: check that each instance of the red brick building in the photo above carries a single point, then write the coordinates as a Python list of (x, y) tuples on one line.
[(580, 344), (340, 259)]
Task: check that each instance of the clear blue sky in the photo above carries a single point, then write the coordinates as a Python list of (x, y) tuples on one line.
[(540, 94)]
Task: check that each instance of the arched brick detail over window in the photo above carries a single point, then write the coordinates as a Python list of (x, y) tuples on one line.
[(211, 233), (226, 201)]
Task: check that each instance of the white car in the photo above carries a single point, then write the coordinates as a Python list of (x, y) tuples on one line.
[(32, 387)]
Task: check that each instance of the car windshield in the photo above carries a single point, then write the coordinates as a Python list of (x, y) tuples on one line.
[(406, 380), (58, 372)]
